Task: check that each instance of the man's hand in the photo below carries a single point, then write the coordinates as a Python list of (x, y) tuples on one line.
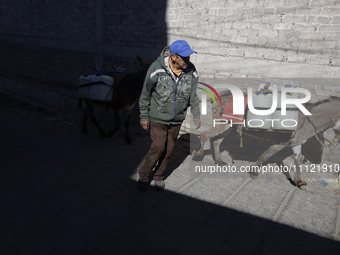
[(197, 123), (145, 125)]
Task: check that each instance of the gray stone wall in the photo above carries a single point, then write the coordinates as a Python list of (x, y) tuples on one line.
[(55, 42), (260, 38)]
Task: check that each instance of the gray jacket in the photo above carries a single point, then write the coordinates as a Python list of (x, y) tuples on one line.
[(166, 97)]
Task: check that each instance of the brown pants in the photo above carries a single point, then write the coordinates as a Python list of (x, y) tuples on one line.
[(163, 139)]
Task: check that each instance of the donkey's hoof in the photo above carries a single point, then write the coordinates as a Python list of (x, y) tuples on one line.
[(195, 156), (255, 177), (304, 187), (221, 163), (301, 185)]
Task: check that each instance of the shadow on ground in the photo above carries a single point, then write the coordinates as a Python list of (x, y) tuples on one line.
[(257, 142), (66, 193)]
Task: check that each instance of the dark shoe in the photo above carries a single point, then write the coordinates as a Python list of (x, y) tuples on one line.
[(159, 184), (143, 185)]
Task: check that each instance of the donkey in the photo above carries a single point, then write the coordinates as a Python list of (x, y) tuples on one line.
[(124, 97), (325, 115), (214, 134)]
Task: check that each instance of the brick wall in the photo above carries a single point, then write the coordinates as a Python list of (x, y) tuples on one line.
[(56, 41), (259, 38)]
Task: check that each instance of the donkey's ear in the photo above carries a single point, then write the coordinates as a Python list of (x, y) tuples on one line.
[(141, 61)]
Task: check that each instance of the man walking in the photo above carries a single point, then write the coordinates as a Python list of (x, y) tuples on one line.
[(169, 88)]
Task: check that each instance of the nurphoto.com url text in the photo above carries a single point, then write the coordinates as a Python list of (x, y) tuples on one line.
[(308, 168)]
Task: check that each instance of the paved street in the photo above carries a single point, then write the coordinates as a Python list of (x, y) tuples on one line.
[(66, 193)]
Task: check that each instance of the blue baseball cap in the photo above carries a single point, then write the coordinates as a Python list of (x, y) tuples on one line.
[(181, 48)]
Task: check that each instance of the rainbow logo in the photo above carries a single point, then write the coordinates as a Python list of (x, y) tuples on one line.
[(209, 93)]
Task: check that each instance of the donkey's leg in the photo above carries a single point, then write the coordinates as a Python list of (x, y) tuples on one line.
[(217, 152), (265, 156), (116, 127), (199, 154), (93, 119), (336, 129), (206, 135), (128, 139), (84, 122), (298, 161)]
